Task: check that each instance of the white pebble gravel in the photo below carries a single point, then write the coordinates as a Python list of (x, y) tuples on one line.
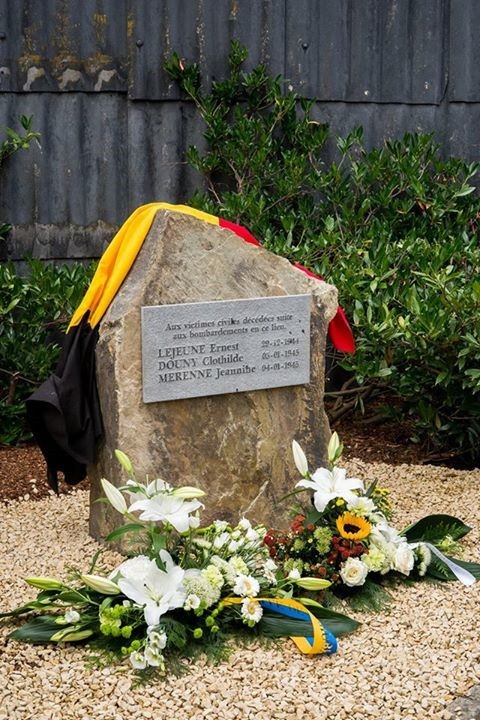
[(407, 664)]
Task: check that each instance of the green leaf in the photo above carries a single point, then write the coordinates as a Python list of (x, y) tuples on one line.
[(439, 570), (123, 530), (38, 630), (434, 528), (275, 625), (337, 623)]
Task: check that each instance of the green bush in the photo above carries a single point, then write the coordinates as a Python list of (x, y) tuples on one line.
[(34, 312), (394, 228)]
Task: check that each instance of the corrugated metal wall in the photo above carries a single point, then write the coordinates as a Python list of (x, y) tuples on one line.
[(114, 128)]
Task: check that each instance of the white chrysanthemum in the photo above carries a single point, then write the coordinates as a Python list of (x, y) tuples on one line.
[(214, 576), (226, 569), (197, 584), (238, 565), (375, 559), (246, 585), (294, 574), (251, 610), (353, 572)]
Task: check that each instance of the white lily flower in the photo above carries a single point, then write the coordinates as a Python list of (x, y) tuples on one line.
[(299, 459), (330, 484), (157, 591), (168, 509), (114, 496)]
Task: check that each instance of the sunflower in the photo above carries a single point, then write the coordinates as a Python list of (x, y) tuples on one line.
[(352, 527)]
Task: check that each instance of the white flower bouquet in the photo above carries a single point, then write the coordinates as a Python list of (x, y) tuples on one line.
[(187, 590), (345, 536)]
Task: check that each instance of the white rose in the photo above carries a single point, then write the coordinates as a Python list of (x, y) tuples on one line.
[(404, 559), (353, 572)]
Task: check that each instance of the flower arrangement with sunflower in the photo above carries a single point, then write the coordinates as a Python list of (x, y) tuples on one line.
[(347, 537)]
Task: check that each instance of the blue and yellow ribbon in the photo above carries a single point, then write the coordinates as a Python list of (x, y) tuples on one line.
[(322, 641)]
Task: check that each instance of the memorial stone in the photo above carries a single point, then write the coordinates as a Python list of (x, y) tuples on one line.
[(210, 361)]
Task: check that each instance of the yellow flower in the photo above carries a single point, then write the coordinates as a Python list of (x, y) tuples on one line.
[(352, 527)]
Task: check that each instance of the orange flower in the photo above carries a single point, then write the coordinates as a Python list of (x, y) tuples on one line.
[(352, 527)]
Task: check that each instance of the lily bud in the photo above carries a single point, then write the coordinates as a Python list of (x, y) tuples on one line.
[(114, 496), (310, 583), (299, 458), (67, 635), (187, 492), (335, 448), (45, 583), (100, 584), (125, 462)]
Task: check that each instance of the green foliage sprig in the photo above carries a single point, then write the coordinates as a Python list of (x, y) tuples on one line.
[(395, 228), (34, 312)]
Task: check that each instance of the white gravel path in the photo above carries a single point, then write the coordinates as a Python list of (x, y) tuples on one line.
[(407, 664)]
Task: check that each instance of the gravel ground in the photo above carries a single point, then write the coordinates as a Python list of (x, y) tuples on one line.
[(407, 664)]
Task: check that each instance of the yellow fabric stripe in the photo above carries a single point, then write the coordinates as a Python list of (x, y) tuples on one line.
[(119, 257), (319, 641)]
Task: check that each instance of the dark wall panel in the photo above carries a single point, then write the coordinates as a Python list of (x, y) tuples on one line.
[(201, 31), (366, 50)]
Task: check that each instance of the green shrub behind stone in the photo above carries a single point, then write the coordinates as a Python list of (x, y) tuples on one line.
[(34, 312), (395, 228)]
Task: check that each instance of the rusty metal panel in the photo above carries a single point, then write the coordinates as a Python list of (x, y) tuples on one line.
[(65, 197), (464, 80), (200, 31), (63, 45), (367, 50)]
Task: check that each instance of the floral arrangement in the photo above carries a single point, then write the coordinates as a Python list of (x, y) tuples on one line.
[(345, 536), (185, 590)]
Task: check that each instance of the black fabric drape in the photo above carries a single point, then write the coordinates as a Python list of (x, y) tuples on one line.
[(64, 413)]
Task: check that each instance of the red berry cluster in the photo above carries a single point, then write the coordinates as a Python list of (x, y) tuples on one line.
[(342, 549)]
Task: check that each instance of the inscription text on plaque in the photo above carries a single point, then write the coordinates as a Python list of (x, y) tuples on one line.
[(213, 348)]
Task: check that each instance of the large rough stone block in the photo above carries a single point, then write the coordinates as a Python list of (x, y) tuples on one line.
[(237, 447)]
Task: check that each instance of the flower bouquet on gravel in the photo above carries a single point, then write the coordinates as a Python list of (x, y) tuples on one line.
[(344, 536), (185, 590)]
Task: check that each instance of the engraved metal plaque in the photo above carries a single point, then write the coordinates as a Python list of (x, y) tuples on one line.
[(213, 348)]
